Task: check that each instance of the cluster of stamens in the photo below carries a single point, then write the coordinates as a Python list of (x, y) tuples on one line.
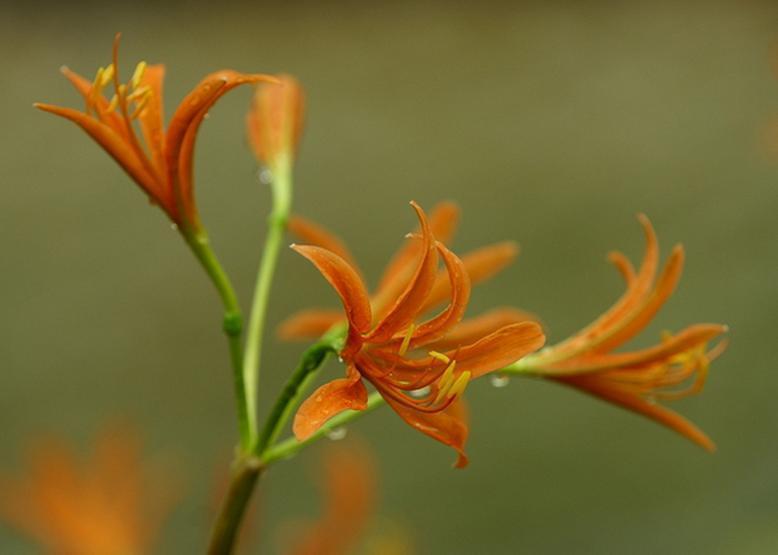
[(123, 93), (449, 385)]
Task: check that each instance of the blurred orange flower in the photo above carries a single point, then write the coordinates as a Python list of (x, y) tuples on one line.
[(635, 380), (111, 504), (383, 329), (163, 168), (349, 488), (275, 121)]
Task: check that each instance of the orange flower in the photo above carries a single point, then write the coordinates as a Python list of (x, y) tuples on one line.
[(111, 504), (349, 487), (163, 168), (636, 379), (385, 328), (275, 121)]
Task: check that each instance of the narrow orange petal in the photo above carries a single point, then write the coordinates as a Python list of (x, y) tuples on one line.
[(308, 324), (312, 233), (499, 349), (347, 283), (481, 264), (471, 330), (662, 415), (641, 316), (637, 291), (151, 117), (448, 426), (332, 398), (182, 131), (116, 147), (624, 266), (460, 287), (407, 305), (84, 88), (680, 342), (442, 223)]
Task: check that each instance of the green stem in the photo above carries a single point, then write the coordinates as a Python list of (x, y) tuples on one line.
[(298, 382), (291, 446), (227, 527), (232, 325), (282, 201)]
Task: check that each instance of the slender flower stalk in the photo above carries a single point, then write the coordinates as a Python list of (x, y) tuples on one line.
[(274, 126), (635, 380)]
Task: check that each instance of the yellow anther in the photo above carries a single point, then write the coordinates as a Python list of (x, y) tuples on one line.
[(407, 340), (459, 386), (107, 76), (112, 104), (143, 91), (140, 105), (440, 356), (137, 75), (445, 381)]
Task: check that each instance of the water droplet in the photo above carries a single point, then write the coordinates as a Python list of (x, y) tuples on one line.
[(265, 176), (340, 359), (207, 115), (500, 380), (336, 434), (174, 226), (419, 393)]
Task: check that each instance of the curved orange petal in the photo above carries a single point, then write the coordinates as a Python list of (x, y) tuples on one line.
[(460, 288), (84, 88), (671, 419), (313, 234), (499, 349), (182, 131), (117, 148), (624, 266), (492, 352), (442, 222), (472, 329), (332, 398), (635, 294), (346, 282), (481, 264), (682, 341), (151, 118), (407, 305), (641, 316), (448, 426), (308, 324)]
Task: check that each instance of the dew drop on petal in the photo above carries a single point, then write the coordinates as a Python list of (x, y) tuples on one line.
[(336, 434), (419, 393), (265, 176), (499, 380)]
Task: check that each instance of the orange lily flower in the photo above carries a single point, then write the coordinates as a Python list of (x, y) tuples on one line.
[(111, 504), (384, 329), (163, 167), (635, 380), (349, 487), (275, 120)]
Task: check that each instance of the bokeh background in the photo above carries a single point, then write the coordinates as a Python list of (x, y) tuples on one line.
[(550, 123)]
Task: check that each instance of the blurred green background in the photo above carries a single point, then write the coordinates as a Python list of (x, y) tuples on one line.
[(551, 123)]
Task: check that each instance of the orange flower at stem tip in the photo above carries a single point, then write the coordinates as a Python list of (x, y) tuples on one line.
[(111, 504), (163, 167), (386, 330), (637, 379), (274, 122)]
